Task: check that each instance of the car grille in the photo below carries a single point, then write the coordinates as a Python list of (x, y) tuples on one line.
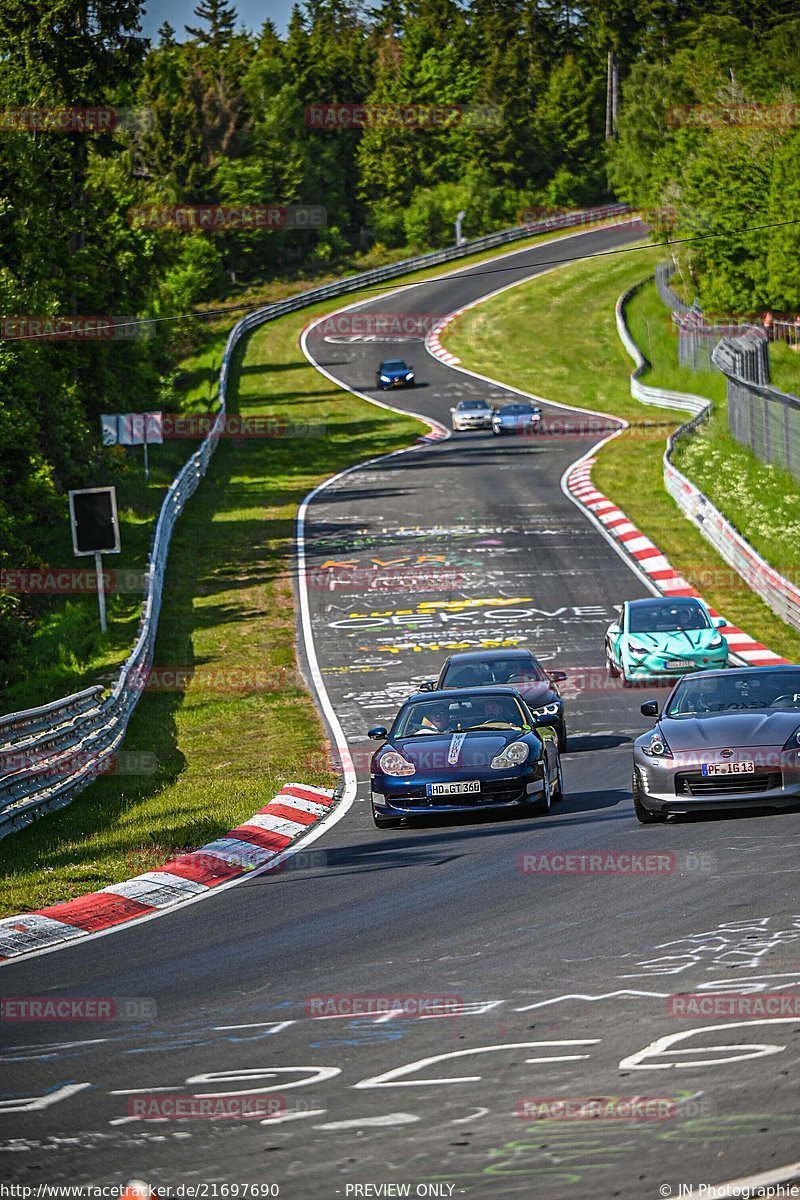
[(490, 793), (694, 783)]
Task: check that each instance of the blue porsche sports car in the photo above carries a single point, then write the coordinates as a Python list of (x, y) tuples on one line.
[(464, 749), (394, 373)]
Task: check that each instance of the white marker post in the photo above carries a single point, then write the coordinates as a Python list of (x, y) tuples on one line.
[(101, 589)]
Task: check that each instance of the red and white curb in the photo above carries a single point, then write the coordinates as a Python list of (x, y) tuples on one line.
[(435, 347), (651, 561), (249, 849)]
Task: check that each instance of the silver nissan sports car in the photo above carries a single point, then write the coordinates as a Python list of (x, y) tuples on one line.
[(725, 739)]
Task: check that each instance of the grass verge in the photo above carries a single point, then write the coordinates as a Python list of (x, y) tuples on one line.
[(576, 358)]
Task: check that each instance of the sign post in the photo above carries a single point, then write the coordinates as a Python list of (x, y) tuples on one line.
[(95, 530), (133, 429)]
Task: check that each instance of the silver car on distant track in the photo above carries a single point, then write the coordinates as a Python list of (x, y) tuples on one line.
[(518, 416), (725, 739), (472, 414)]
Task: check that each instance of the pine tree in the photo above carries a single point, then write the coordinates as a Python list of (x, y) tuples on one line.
[(220, 18)]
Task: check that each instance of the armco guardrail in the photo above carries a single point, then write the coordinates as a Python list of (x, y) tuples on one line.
[(59, 748), (781, 595)]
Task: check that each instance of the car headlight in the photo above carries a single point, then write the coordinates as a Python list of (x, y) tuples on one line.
[(513, 755), (715, 642), (658, 747), (393, 763), (793, 741), (410, 375), (634, 649), (547, 710)]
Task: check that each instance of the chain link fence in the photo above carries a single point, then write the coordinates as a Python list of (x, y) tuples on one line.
[(760, 417)]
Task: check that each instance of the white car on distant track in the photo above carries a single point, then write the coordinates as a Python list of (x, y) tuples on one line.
[(472, 414)]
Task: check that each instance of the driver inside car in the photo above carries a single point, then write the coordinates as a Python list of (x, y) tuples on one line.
[(437, 717)]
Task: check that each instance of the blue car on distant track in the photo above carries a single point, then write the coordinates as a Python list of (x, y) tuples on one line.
[(394, 373), (464, 750)]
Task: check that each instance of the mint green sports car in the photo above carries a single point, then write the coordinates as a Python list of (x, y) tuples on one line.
[(658, 639)]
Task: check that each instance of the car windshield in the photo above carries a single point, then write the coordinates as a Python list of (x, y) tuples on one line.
[(474, 405), (666, 618), (516, 409), (511, 671), (430, 717), (396, 364), (735, 690)]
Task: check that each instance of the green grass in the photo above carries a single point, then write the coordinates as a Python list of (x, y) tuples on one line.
[(222, 750), (785, 367), (556, 336), (228, 614)]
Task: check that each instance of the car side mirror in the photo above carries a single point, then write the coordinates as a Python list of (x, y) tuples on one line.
[(452, 410), (428, 686), (718, 622), (378, 733), (613, 629), (557, 676), (650, 708)]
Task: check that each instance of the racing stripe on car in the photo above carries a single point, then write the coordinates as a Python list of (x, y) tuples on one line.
[(653, 563), (251, 846)]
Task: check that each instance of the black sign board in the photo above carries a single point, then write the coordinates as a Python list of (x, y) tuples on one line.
[(93, 517)]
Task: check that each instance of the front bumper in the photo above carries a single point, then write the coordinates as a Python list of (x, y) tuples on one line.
[(678, 785), (652, 668), (395, 383), (464, 423), (407, 796)]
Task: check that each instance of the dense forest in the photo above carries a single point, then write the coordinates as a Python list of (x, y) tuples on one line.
[(545, 104)]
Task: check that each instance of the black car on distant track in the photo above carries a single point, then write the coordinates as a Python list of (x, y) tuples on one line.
[(519, 669)]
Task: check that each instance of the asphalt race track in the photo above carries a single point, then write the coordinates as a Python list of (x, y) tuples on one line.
[(562, 980)]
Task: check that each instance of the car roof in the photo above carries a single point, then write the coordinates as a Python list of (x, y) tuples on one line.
[(457, 693), (677, 601), (464, 656), (729, 672)]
